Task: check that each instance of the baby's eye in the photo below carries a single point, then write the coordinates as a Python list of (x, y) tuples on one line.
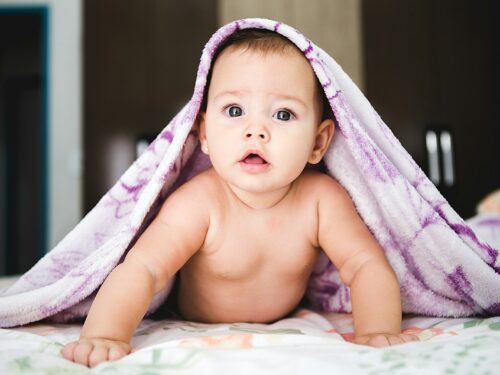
[(284, 115), (234, 111)]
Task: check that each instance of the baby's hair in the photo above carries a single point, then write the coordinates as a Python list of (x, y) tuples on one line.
[(264, 41)]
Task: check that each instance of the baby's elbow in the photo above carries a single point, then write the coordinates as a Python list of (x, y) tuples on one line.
[(363, 263), (143, 271)]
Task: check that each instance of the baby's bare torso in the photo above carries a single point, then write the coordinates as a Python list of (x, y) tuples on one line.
[(255, 264)]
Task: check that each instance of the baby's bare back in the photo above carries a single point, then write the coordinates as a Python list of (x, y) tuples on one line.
[(256, 264)]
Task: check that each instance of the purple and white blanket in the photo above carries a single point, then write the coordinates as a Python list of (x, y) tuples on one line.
[(443, 266)]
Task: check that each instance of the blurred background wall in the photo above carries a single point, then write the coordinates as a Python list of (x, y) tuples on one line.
[(334, 25), (140, 61), (40, 127), (428, 67), (432, 72)]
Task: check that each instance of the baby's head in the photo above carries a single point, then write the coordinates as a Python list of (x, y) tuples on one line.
[(263, 114)]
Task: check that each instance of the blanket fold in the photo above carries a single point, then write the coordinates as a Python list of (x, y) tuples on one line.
[(443, 267)]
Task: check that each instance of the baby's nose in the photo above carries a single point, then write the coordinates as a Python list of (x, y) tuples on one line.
[(257, 132)]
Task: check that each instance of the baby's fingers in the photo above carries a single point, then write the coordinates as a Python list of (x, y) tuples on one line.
[(82, 352), (116, 352), (379, 341), (99, 354), (395, 340), (92, 352), (382, 340), (391, 340), (67, 351), (409, 337)]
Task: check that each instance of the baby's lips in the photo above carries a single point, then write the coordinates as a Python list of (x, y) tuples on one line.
[(254, 157)]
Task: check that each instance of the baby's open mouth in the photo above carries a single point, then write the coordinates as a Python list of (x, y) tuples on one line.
[(254, 159)]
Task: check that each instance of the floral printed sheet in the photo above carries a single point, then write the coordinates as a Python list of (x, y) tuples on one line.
[(305, 343)]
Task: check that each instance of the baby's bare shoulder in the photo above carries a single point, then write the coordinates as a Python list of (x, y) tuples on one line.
[(202, 186), (326, 193), (317, 184), (197, 194)]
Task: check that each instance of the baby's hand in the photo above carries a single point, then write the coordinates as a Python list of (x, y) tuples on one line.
[(91, 352), (380, 340)]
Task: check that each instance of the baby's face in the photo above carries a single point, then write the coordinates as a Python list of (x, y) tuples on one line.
[(262, 118)]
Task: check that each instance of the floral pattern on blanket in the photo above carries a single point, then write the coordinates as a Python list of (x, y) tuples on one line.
[(307, 342)]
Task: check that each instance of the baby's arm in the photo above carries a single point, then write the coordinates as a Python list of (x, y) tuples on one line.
[(176, 233), (374, 289)]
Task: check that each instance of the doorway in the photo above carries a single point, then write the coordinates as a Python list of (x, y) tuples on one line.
[(23, 137)]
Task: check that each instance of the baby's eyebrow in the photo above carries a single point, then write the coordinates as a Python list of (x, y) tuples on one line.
[(292, 98), (240, 93), (229, 93)]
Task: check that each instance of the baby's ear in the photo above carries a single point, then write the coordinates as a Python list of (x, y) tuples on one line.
[(200, 117), (324, 136), (202, 134)]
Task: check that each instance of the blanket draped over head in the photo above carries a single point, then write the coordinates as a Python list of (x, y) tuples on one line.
[(443, 267)]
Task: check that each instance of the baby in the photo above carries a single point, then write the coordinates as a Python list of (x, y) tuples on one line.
[(245, 234)]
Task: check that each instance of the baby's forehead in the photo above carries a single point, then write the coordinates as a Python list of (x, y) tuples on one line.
[(289, 50), (245, 70), (290, 57), (273, 44)]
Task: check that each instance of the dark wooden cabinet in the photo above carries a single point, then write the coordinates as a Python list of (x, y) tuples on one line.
[(434, 64), (140, 59)]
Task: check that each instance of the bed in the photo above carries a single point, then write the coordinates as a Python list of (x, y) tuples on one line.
[(306, 342)]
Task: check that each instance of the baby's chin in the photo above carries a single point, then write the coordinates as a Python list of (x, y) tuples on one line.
[(266, 182), (264, 190)]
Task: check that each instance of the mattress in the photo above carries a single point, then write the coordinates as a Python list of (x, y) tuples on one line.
[(306, 342)]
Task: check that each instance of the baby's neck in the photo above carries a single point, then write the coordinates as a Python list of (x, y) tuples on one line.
[(259, 201)]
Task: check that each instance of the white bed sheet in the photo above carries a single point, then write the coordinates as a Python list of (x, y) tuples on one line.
[(306, 343)]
